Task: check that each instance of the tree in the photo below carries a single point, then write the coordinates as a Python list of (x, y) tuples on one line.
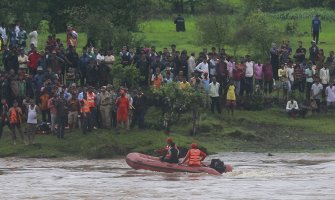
[(174, 102), (214, 29)]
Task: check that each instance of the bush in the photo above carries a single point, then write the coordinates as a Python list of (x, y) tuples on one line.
[(298, 13), (43, 27)]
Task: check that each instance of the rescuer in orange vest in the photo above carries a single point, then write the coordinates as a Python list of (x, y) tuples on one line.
[(85, 113), (194, 156), (91, 103), (171, 155)]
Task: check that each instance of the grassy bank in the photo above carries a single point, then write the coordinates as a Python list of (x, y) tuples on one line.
[(259, 131)]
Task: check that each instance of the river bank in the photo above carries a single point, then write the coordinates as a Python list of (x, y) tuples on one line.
[(265, 131)]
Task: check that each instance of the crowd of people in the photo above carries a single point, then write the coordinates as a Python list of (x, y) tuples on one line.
[(71, 90)]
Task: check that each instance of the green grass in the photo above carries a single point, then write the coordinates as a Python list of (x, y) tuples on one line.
[(42, 39), (161, 33)]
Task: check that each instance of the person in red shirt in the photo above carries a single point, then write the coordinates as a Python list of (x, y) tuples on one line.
[(268, 78), (33, 58), (194, 156)]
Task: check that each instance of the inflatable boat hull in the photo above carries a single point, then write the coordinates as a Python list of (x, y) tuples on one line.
[(146, 162)]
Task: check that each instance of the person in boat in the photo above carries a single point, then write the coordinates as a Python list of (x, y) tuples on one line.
[(172, 154), (194, 156), (163, 151)]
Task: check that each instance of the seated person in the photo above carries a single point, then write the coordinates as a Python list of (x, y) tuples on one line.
[(194, 156), (292, 107), (164, 150), (172, 154)]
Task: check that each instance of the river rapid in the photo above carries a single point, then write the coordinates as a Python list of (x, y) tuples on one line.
[(291, 176)]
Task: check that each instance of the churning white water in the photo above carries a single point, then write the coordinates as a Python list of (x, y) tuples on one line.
[(291, 176)]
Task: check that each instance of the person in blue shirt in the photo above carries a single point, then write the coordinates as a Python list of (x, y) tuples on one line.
[(316, 28)]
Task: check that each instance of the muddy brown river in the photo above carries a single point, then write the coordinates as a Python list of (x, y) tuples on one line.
[(291, 176)]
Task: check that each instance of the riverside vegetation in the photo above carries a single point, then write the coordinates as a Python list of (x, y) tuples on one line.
[(264, 130)]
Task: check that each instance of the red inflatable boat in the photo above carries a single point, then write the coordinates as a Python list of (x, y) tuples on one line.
[(142, 161)]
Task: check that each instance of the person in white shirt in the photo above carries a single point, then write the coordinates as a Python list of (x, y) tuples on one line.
[(324, 76), (290, 75), (33, 37), (3, 33), (214, 95), (292, 107), (249, 73), (330, 94), (202, 67), (109, 59), (191, 64)]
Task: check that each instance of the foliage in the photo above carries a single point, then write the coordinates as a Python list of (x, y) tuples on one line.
[(43, 27), (298, 13), (257, 33), (214, 29), (128, 76), (174, 102), (291, 27)]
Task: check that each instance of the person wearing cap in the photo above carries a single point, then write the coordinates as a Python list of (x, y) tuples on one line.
[(194, 156), (15, 119), (171, 155), (163, 151)]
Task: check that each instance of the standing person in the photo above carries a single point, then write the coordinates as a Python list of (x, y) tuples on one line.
[(324, 76), (330, 94), (309, 73), (23, 61), (140, 106), (22, 37), (194, 156), (191, 64), (73, 106), (85, 113), (91, 103), (180, 23), (316, 28), (258, 74), (249, 76), (31, 122), (299, 79), (313, 52), (61, 108), (53, 112), (122, 109), (274, 57), (44, 98), (105, 107), (3, 35), (4, 115), (33, 37), (238, 73), (300, 53), (231, 98), (15, 119), (214, 95), (316, 91), (268, 79)]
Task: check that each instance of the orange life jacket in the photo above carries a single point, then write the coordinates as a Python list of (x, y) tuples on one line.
[(85, 108), (195, 157), (90, 99), (14, 116)]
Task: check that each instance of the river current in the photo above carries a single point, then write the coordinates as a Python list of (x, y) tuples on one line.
[(291, 176)]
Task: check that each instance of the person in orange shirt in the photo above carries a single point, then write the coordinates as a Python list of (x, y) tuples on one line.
[(194, 156), (44, 106), (15, 118)]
